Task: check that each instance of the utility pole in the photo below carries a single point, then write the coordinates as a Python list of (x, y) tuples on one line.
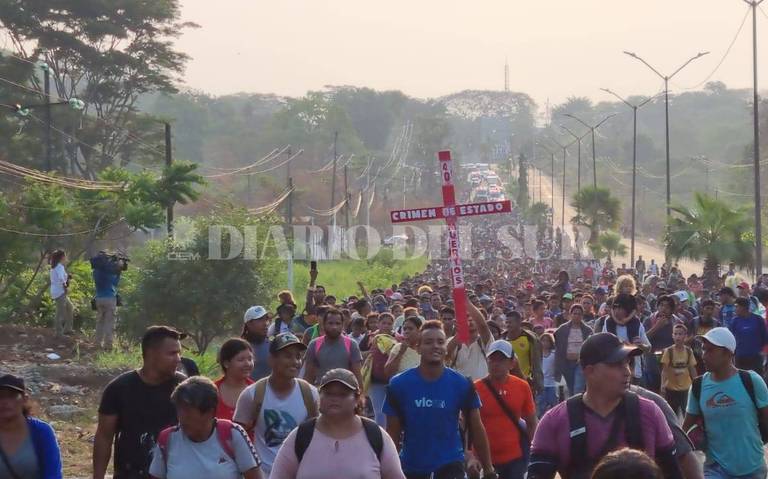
[(634, 166), (333, 177), (290, 233), (368, 189), (346, 197), (48, 120), (756, 150), (168, 163)]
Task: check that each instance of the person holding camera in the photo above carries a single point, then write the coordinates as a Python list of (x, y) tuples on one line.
[(106, 275)]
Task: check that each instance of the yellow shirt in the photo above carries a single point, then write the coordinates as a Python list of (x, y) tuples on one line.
[(410, 359), (522, 347), (676, 365)]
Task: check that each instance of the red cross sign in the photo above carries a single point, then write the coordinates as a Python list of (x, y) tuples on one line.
[(450, 211)]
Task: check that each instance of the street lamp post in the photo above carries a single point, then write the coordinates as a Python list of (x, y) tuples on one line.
[(552, 186), (564, 148), (592, 128), (577, 139), (634, 107), (666, 79), (756, 150)]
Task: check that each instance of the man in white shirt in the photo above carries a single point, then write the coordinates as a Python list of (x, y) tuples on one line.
[(59, 284), (273, 406)]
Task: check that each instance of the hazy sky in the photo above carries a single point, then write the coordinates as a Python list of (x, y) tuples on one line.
[(429, 48)]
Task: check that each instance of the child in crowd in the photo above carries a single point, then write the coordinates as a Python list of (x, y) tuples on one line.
[(547, 399), (678, 368)]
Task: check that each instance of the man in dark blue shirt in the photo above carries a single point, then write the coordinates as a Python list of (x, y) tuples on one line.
[(751, 336), (424, 403), (106, 275)]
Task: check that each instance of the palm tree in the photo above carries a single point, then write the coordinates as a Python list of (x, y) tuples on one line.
[(609, 243), (597, 210), (538, 214), (712, 230)]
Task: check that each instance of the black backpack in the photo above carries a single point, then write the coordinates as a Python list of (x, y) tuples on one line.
[(307, 429), (746, 381), (628, 412)]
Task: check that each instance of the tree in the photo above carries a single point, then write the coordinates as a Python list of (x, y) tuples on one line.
[(711, 230), (106, 53), (598, 210), (608, 245), (180, 285), (538, 214)]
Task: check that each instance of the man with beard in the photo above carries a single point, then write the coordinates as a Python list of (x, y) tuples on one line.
[(332, 350), (424, 403), (255, 328)]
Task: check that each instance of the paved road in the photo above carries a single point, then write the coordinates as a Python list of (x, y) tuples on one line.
[(648, 249)]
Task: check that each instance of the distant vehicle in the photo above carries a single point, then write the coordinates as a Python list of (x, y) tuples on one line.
[(494, 189), (493, 180), (496, 196), (391, 240)]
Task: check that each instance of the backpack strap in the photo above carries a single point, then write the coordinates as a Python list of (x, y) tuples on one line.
[(259, 392), (578, 432), (633, 431), (304, 434), (696, 388), (224, 433), (163, 439), (746, 380), (319, 343), (374, 436), (347, 344), (309, 400)]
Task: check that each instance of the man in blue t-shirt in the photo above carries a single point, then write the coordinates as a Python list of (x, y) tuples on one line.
[(424, 403), (751, 336), (727, 308), (734, 447)]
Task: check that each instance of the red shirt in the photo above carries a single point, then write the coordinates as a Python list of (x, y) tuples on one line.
[(224, 410), (503, 435)]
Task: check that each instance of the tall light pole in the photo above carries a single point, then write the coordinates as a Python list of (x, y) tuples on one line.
[(666, 79), (577, 139), (634, 107), (592, 128), (552, 186), (564, 148), (756, 150)]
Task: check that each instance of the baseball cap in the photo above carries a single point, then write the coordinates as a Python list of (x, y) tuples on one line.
[(9, 381), (254, 312), (743, 285), (501, 346), (342, 376), (397, 296), (721, 337), (283, 340), (605, 348), (567, 296), (682, 296)]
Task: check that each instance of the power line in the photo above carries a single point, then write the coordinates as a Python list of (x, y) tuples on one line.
[(727, 52), (61, 235)]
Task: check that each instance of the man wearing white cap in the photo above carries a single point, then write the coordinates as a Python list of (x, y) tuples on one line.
[(255, 330), (730, 404), (508, 412)]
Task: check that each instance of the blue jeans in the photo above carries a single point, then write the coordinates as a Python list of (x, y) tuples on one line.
[(512, 470), (377, 392), (574, 378), (546, 400), (716, 471)]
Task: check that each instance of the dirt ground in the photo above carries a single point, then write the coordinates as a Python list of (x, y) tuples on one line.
[(65, 391)]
